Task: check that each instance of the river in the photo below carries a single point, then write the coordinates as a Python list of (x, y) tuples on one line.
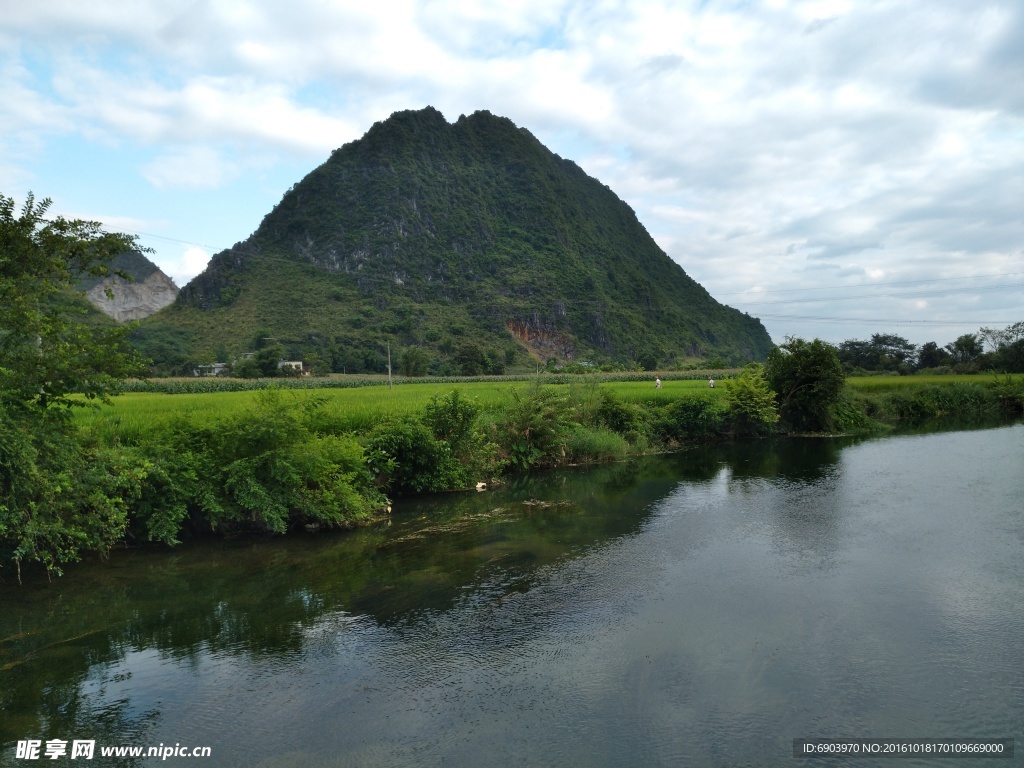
[(699, 609)]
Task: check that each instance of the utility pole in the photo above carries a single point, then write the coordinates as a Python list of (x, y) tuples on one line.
[(389, 366)]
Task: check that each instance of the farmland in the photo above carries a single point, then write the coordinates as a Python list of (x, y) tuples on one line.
[(350, 409), (364, 402)]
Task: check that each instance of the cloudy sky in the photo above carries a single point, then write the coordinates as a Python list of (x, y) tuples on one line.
[(835, 167)]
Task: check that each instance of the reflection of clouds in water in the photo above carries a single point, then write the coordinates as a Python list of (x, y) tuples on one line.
[(702, 612)]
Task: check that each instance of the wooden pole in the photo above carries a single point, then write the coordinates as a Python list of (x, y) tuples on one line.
[(389, 366)]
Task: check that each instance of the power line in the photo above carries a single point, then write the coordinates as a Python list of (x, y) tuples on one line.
[(894, 282), (911, 295), (884, 321)]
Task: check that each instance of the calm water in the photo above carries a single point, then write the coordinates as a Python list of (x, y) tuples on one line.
[(701, 609)]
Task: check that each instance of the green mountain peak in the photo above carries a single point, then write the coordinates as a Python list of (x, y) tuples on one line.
[(434, 234)]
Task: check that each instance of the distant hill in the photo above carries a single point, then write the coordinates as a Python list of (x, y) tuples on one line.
[(148, 291), (448, 237)]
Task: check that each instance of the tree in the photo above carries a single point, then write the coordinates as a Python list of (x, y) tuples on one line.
[(965, 349), (997, 339), (751, 403), (808, 379), (931, 355), (470, 358), (893, 351), (884, 352), (267, 359), (415, 362), (57, 496), (46, 353)]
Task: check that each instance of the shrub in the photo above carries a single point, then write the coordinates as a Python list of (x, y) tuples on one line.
[(453, 419), (58, 497), (689, 418), (262, 469), (535, 426), (407, 458), (751, 403), (626, 419)]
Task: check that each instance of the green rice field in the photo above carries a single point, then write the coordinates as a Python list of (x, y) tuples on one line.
[(897, 383), (350, 409), (358, 409)]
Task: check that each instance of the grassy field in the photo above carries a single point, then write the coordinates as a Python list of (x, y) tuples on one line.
[(359, 409), (356, 409), (895, 383)]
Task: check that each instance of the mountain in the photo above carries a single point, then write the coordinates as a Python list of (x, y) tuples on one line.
[(429, 234), (148, 291)]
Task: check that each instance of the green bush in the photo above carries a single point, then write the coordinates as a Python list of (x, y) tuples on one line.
[(751, 402), (534, 427), (405, 456), (1010, 393), (58, 497), (627, 419), (690, 418), (264, 469), (454, 419)]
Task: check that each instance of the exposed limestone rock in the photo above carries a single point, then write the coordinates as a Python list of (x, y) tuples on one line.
[(134, 301)]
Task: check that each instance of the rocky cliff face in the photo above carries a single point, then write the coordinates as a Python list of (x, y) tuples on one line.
[(133, 300)]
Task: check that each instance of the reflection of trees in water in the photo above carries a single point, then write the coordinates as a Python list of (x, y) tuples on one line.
[(787, 484), (44, 696), (795, 483), (263, 597)]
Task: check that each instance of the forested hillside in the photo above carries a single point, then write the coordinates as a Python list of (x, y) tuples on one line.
[(458, 240)]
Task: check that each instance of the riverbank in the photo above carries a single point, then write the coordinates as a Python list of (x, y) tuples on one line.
[(159, 468)]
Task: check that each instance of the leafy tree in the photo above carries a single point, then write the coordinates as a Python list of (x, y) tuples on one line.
[(46, 353), (57, 496), (267, 359), (751, 402), (893, 351), (857, 354), (246, 368), (494, 362), (808, 379), (883, 352), (470, 358), (415, 362), (1010, 357), (965, 349), (997, 339), (931, 355)]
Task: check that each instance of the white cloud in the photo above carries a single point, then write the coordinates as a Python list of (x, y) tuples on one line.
[(192, 167), (183, 267), (776, 144)]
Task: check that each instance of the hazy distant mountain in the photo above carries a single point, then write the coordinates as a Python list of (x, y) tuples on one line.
[(430, 234)]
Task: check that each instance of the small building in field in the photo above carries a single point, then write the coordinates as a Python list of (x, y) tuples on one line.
[(214, 369), (293, 365)]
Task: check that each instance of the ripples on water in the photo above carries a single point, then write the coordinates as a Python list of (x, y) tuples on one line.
[(699, 609)]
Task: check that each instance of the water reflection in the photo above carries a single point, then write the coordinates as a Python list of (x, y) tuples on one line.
[(701, 608)]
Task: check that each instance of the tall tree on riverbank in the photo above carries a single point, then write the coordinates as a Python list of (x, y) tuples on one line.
[(808, 379), (54, 499), (46, 352)]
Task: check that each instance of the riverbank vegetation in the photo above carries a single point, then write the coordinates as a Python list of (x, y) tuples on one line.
[(159, 468), (174, 459)]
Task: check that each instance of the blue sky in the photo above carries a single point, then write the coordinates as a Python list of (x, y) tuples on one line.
[(836, 167)]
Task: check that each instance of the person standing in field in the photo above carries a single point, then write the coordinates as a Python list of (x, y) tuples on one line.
[(657, 382), (711, 382)]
